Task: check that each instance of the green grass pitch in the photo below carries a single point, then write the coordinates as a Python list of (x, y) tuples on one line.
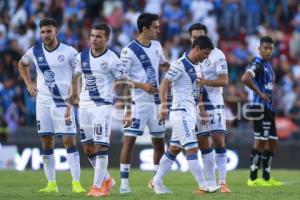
[(24, 186)]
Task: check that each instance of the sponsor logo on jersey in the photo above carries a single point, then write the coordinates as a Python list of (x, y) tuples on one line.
[(90, 82), (104, 66), (49, 77), (40, 59)]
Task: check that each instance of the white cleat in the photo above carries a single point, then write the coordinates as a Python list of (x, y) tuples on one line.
[(159, 188), (212, 189), (125, 189)]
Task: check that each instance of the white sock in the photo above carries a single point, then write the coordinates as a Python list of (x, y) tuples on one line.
[(208, 157), (100, 168), (165, 165), (74, 162), (124, 171), (197, 171), (106, 175), (221, 161), (49, 164), (92, 159)]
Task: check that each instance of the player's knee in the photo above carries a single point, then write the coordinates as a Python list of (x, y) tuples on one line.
[(174, 149), (89, 150), (203, 142)]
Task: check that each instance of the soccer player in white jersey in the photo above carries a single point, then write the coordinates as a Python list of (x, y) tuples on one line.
[(214, 71), (183, 75), (143, 58), (55, 63), (97, 71)]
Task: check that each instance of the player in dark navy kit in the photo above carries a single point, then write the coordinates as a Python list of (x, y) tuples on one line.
[(259, 77)]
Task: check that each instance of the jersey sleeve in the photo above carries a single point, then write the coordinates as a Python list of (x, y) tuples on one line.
[(175, 71), (118, 69), (78, 64), (73, 57), (254, 68), (126, 59), (28, 57), (221, 64)]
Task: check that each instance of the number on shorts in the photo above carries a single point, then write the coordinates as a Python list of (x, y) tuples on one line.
[(212, 116), (98, 129)]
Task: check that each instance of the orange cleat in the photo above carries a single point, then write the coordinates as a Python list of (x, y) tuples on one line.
[(224, 188), (200, 191), (94, 192), (106, 186)]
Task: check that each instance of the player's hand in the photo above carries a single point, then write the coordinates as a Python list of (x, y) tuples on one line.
[(265, 97), (149, 88), (201, 81), (203, 117), (68, 114), (127, 119), (32, 89), (163, 113)]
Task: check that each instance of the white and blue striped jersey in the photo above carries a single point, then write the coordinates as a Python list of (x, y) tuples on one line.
[(98, 77), (211, 68), (54, 72), (142, 65), (183, 74)]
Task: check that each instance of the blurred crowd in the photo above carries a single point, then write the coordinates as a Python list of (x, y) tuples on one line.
[(235, 26)]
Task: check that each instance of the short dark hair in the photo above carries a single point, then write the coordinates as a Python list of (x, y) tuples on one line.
[(203, 42), (266, 39), (145, 20), (102, 26), (48, 22), (197, 26)]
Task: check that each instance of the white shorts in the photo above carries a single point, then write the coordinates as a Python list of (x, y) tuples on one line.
[(183, 128), (145, 115), (50, 121), (216, 123), (95, 124)]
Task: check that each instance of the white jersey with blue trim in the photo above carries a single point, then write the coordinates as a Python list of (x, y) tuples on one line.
[(183, 74), (98, 83), (136, 71), (211, 68), (61, 64)]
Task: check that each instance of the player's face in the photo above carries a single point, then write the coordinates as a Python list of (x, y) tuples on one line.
[(48, 34), (265, 50), (202, 54), (195, 34), (98, 39), (153, 30)]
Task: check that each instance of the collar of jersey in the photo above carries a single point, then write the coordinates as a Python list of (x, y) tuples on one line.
[(100, 54), (52, 49), (142, 44)]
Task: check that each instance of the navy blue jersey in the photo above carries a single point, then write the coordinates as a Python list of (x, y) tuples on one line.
[(263, 77)]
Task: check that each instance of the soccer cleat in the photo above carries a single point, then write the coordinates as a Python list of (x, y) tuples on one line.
[(263, 183), (94, 192), (271, 182), (224, 188), (201, 191), (50, 188), (275, 182), (253, 182), (106, 186), (125, 189), (160, 188), (77, 188), (212, 189)]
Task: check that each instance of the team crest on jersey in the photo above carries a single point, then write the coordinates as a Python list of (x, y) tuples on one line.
[(104, 66), (49, 77), (206, 63), (61, 58)]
